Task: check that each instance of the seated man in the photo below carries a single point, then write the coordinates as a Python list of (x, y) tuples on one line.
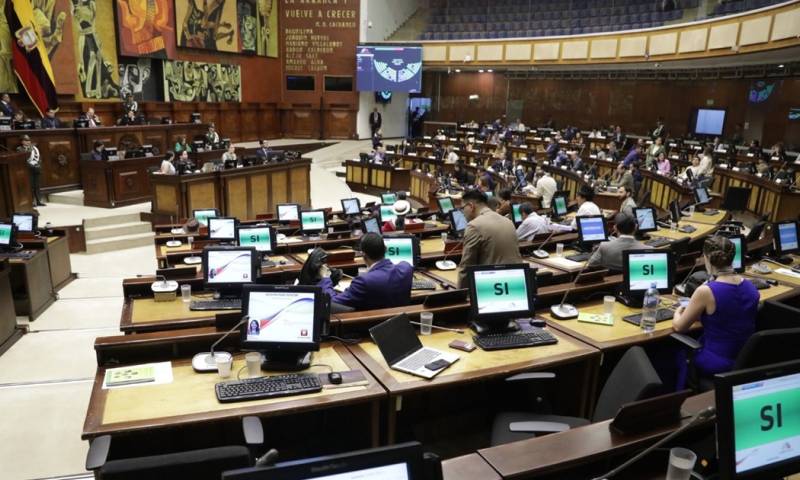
[(384, 285), (262, 153), (609, 254), (534, 224), (586, 205)]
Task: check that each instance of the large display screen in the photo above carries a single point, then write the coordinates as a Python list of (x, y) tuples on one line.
[(400, 250), (388, 68), (645, 269), (766, 422), (500, 291), (281, 317), (709, 121)]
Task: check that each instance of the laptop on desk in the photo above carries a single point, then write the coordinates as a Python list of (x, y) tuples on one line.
[(402, 349)]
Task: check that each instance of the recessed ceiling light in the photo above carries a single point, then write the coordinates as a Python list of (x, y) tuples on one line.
[(780, 66), (490, 70), (480, 71), (458, 70)]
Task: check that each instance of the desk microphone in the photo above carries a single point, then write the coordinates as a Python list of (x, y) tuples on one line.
[(681, 287), (206, 361), (566, 311), (703, 415), (539, 253)]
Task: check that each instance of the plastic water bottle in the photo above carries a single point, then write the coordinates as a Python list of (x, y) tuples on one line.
[(649, 308)]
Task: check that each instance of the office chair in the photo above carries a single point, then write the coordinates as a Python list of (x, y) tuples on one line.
[(762, 348), (774, 314), (633, 379), (756, 230), (644, 199), (200, 464)]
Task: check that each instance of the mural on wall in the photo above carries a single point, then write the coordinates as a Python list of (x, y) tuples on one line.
[(267, 17), (201, 82), (146, 28), (136, 76), (207, 24), (248, 25), (95, 50)]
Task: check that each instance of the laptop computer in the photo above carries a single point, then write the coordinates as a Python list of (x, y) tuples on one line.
[(403, 351)]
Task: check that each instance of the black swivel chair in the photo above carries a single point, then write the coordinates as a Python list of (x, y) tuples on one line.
[(633, 379), (756, 230), (762, 348), (201, 464), (774, 314)]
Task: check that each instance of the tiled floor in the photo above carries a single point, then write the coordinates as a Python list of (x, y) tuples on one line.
[(46, 377)]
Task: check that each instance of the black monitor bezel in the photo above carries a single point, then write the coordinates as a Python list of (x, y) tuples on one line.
[(626, 277), (415, 249), (273, 241), (777, 237), (278, 211), (514, 220), (321, 313), (579, 220), (453, 230), (254, 267), (553, 205), (502, 317), (675, 208), (743, 242), (655, 219), (364, 225), (726, 437), (439, 204), (344, 208), (194, 215), (12, 239), (34, 221), (324, 221), (225, 239)]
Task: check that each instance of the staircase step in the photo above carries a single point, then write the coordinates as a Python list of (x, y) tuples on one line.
[(119, 243), (112, 220), (73, 197), (117, 230)]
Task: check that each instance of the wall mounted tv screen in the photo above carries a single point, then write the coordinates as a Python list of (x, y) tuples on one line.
[(388, 68), (709, 121)]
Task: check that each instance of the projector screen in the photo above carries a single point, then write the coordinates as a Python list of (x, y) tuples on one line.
[(709, 121), (388, 68)]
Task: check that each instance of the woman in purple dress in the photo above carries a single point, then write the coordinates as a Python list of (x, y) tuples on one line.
[(726, 306)]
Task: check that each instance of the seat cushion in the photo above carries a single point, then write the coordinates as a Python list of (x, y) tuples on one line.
[(502, 434)]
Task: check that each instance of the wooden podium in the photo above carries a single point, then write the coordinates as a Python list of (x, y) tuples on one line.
[(15, 184), (116, 183)]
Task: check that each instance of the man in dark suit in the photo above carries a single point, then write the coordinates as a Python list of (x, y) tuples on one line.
[(385, 285), (49, 120), (619, 137), (609, 254), (262, 153), (552, 149), (5, 105), (375, 121)]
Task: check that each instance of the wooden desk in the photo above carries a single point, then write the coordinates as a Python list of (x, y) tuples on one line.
[(15, 184), (9, 332), (31, 284), (702, 230), (190, 400), (477, 366), (58, 258), (59, 153), (468, 467), (375, 179), (162, 137), (145, 314), (110, 184)]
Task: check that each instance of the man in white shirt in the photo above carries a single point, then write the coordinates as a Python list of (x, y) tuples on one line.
[(534, 224), (452, 156), (586, 206), (706, 163), (546, 187)]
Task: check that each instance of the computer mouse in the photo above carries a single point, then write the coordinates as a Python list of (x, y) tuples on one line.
[(446, 265), (538, 322), (540, 253), (335, 378), (762, 268), (282, 262)]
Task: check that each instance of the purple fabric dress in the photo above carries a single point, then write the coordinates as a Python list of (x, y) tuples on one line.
[(725, 331)]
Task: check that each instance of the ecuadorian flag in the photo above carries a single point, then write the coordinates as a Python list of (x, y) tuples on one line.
[(30, 61)]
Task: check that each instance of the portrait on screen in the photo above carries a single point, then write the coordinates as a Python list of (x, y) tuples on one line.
[(95, 49), (201, 82), (207, 24), (146, 28)]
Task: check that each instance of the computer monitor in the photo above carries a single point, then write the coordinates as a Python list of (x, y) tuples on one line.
[(288, 212), (226, 269), (202, 215), (396, 462), (110, 153), (387, 213), (313, 221), (786, 240), (646, 219), (516, 214), (736, 199), (371, 225), (260, 237), (758, 423), (402, 248), (489, 195), (559, 205), (592, 229), (675, 211), (741, 250), (25, 222), (284, 321), (8, 235), (499, 294), (351, 206), (222, 228), (458, 222), (445, 204), (388, 198), (701, 196), (642, 268)]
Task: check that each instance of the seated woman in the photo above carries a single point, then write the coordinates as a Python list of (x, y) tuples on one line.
[(726, 306), (664, 167), (230, 155), (167, 167)]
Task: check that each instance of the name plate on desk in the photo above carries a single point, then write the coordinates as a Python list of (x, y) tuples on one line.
[(736, 169), (341, 256), (414, 226), (451, 246), (412, 154)]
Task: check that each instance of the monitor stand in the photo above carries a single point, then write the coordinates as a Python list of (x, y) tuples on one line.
[(631, 300), (641, 236), (784, 259), (482, 328), (286, 361)]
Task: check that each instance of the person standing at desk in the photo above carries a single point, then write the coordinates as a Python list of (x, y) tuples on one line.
[(182, 146), (49, 120), (212, 137), (375, 121), (609, 254), (653, 152), (619, 137), (262, 153), (34, 168), (489, 239), (546, 187), (97, 151), (385, 285), (727, 308)]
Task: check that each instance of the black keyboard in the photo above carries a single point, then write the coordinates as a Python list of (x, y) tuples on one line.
[(687, 229), (26, 254), (267, 387), (580, 257), (504, 341), (662, 314), (423, 285), (658, 242), (221, 304)]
